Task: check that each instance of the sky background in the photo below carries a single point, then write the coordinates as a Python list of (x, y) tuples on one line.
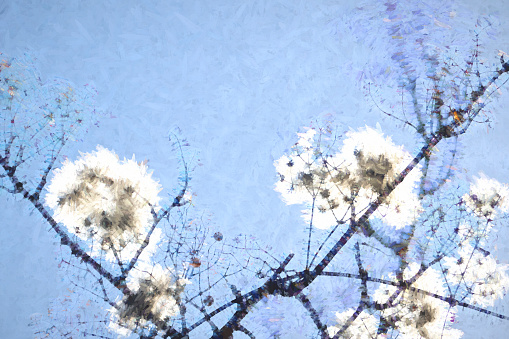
[(239, 78)]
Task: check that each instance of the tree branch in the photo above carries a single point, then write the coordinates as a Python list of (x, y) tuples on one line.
[(313, 314)]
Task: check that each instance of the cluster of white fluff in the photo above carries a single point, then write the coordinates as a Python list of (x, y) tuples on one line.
[(109, 201), (155, 295), (415, 314), (485, 280), (364, 169), (364, 326), (486, 195)]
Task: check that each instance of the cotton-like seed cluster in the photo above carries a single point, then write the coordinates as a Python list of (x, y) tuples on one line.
[(102, 198), (364, 169), (484, 279), (486, 196), (415, 314), (364, 326), (154, 299)]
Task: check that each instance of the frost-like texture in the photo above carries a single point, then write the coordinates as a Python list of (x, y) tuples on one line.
[(98, 197), (474, 232), (154, 299), (365, 168), (486, 280), (417, 315), (364, 326), (37, 118), (485, 195)]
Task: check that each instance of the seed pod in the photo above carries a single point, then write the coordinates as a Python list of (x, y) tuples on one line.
[(218, 236), (208, 301), (195, 262)]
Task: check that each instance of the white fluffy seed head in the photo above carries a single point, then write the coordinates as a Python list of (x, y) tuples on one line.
[(102, 198), (155, 294), (364, 326), (415, 314), (365, 168), (486, 280), (486, 196)]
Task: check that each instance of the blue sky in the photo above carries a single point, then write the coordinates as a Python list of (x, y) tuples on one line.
[(239, 79)]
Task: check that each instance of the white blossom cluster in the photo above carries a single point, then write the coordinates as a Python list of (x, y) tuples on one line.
[(415, 314), (364, 326), (364, 169), (485, 280), (485, 195), (154, 299), (109, 201)]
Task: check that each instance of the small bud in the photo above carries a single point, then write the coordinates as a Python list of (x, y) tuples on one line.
[(195, 262), (218, 236), (208, 301)]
